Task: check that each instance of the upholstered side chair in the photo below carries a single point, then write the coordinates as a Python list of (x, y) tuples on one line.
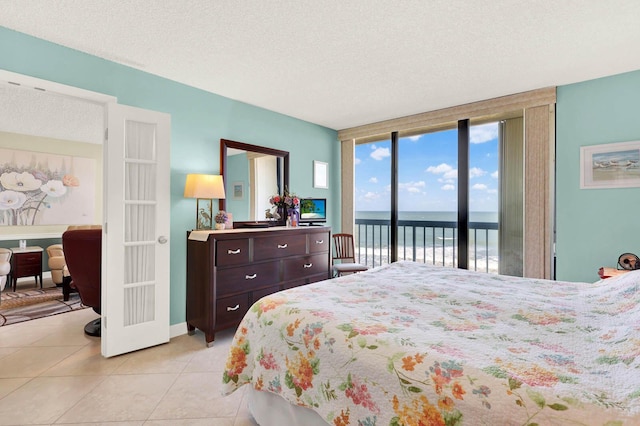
[(5, 266)]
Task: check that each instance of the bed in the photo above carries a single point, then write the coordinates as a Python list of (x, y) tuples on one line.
[(413, 344)]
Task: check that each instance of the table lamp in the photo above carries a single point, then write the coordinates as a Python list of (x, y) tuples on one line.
[(204, 188)]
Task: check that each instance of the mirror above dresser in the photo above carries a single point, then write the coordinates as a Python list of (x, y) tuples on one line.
[(251, 174)]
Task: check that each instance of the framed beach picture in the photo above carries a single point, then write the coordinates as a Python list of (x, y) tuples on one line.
[(614, 165)]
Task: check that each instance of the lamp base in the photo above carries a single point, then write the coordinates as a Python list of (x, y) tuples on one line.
[(204, 214)]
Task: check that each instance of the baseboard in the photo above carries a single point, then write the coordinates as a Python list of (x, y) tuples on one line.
[(176, 330)]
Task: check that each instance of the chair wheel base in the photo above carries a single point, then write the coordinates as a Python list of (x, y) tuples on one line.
[(93, 328)]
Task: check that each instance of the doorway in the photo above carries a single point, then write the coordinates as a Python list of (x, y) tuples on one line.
[(135, 206)]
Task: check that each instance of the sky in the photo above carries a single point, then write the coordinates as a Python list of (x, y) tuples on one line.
[(428, 172)]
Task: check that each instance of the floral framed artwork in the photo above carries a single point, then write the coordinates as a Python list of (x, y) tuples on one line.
[(46, 189), (320, 175), (614, 165)]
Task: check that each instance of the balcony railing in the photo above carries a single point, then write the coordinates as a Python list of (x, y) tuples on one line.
[(432, 242)]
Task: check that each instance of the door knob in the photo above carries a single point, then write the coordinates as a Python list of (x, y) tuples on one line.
[(162, 239)]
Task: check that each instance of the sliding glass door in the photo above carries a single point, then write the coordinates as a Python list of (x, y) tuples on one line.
[(373, 203), (427, 197), (484, 185)]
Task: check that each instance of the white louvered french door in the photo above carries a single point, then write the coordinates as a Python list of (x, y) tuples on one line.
[(135, 269)]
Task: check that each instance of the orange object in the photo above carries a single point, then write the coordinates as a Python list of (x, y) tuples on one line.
[(610, 272)]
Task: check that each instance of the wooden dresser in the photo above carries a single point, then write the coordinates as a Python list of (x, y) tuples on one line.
[(227, 271)]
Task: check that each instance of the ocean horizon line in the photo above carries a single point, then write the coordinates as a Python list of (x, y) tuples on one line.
[(425, 211)]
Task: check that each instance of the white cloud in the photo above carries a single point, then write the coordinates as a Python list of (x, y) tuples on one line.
[(371, 195), (414, 187), (442, 180), (380, 153), (476, 172), (357, 161), (439, 169), (447, 171), (405, 185), (453, 174), (495, 174), (492, 191), (483, 133), (413, 138), (448, 187), (479, 187), (373, 180)]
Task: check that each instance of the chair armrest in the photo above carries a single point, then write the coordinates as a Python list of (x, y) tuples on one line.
[(55, 250), (57, 262), (5, 268)]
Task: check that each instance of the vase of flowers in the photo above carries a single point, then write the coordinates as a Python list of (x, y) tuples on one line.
[(221, 220), (285, 205)]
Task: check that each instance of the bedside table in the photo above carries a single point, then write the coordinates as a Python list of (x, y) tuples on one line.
[(26, 262), (605, 272)]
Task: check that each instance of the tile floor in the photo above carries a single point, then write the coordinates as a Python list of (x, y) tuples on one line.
[(52, 373)]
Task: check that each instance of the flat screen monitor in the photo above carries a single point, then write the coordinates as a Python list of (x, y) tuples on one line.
[(313, 210)]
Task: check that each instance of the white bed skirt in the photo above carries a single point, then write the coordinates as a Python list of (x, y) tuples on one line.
[(269, 409)]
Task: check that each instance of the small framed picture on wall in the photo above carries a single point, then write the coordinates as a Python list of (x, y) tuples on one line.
[(320, 175), (613, 165), (238, 190)]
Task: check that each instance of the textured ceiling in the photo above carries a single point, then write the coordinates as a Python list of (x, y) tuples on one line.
[(342, 63), (33, 112)]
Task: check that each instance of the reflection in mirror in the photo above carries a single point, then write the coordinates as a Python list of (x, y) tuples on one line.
[(252, 174)]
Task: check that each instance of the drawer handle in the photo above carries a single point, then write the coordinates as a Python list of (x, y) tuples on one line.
[(250, 277), (319, 241), (282, 246), (308, 265), (235, 308), (236, 251)]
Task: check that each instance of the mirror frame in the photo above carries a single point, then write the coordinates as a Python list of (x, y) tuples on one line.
[(226, 143)]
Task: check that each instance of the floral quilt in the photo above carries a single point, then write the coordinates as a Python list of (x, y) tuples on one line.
[(412, 344)]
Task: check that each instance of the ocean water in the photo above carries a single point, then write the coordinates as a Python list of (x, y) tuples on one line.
[(437, 246), (443, 216)]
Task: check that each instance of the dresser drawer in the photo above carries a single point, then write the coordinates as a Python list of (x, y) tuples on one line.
[(24, 260), (232, 252), (245, 278), (296, 283), (279, 246), (230, 310), (259, 294), (300, 267), (306, 280), (28, 270), (320, 277), (319, 243)]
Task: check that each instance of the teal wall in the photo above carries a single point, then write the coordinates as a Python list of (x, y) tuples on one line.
[(199, 120), (594, 226)]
